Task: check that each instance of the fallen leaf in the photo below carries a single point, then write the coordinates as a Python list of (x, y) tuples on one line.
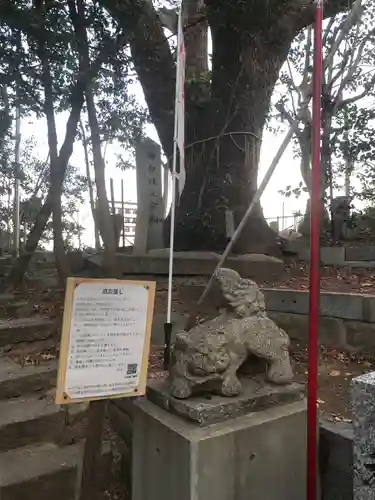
[(335, 373)]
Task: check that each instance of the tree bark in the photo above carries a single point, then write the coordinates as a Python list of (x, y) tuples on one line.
[(90, 186), (56, 186), (105, 222)]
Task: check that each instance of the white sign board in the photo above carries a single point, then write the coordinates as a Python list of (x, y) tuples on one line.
[(105, 340)]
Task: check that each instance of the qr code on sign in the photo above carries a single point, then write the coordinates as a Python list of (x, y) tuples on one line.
[(132, 369)]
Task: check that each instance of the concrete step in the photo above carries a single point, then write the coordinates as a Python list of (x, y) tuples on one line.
[(42, 281), (6, 298), (359, 264), (16, 309), (34, 419), (44, 472), (26, 330), (16, 380)]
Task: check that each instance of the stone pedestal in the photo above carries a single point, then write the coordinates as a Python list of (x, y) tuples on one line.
[(363, 403), (255, 455)]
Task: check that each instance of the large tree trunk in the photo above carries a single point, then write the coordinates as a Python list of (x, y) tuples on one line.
[(250, 42), (222, 165)]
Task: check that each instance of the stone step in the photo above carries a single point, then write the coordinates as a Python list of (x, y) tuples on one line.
[(16, 380), (14, 331), (34, 419), (18, 309), (44, 472), (42, 281), (6, 298)]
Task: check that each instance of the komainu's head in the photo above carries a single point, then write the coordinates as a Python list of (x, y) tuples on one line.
[(207, 354), (243, 295)]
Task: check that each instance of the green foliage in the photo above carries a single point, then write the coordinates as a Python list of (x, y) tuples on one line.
[(34, 182), (121, 119), (349, 83)]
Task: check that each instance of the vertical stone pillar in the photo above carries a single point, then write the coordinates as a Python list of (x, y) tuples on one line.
[(150, 210), (363, 405)]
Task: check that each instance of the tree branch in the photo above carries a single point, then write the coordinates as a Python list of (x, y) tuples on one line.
[(153, 61), (344, 29)]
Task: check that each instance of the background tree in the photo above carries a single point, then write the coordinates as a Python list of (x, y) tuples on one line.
[(52, 79), (349, 81)]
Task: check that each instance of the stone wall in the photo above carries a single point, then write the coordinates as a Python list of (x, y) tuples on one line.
[(347, 320), (361, 256)]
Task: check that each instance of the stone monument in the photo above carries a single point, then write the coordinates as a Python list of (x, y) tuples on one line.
[(229, 423), (363, 406), (150, 205), (340, 209)]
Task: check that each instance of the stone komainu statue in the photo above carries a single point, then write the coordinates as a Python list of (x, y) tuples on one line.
[(209, 355)]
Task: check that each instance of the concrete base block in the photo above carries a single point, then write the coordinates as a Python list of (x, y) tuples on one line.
[(257, 456)]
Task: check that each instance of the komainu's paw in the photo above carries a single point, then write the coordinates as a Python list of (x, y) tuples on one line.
[(231, 386), (181, 388), (280, 372)]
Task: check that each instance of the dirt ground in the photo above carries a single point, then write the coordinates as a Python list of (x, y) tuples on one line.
[(332, 278)]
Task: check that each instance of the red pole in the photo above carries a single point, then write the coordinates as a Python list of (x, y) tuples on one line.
[(312, 467)]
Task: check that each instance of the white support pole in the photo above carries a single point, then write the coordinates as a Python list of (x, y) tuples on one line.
[(252, 205), (174, 172)]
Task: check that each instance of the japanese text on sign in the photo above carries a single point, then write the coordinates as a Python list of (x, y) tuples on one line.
[(107, 335)]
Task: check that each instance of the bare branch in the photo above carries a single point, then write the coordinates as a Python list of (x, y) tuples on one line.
[(354, 66), (346, 26)]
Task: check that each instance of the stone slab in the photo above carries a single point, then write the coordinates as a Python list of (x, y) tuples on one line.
[(32, 419), (250, 266), (19, 330), (360, 253), (16, 380), (256, 396), (120, 422), (18, 309), (328, 255), (336, 460), (358, 264), (349, 306), (363, 409), (332, 331), (43, 471), (257, 456), (5, 298)]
